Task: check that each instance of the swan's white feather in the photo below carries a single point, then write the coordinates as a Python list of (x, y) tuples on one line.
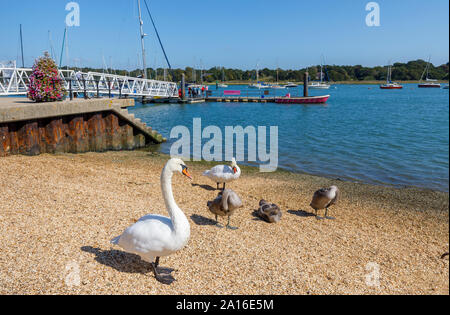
[(150, 237), (222, 174), (156, 235)]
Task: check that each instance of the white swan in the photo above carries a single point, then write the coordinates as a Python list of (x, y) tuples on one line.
[(224, 173), (155, 236)]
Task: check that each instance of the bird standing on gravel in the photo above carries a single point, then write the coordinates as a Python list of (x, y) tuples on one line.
[(155, 236), (325, 198), (269, 212), (224, 173), (224, 205)]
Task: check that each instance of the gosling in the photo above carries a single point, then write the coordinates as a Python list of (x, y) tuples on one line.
[(226, 203), (325, 198), (269, 212)]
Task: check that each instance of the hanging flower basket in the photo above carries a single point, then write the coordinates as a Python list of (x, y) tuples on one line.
[(45, 84)]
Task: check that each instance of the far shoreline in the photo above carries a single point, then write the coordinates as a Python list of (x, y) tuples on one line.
[(331, 83)]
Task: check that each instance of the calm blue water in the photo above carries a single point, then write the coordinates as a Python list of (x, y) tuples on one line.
[(363, 133)]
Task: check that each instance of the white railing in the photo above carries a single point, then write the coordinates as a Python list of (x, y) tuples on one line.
[(14, 81)]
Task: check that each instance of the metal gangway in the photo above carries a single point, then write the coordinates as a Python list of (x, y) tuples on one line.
[(14, 81)]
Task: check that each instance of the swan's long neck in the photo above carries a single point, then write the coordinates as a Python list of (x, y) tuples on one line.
[(179, 220)]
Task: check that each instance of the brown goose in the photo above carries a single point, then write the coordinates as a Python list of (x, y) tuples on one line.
[(224, 205), (269, 212), (324, 198)]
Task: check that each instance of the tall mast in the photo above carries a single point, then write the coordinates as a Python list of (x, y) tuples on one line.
[(201, 72), (62, 48), (426, 69), (21, 46), (67, 49), (141, 25), (389, 69), (52, 50), (321, 73), (257, 74)]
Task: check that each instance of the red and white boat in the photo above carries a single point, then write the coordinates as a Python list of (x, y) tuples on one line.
[(429, 83), (302, 100), (389, 84)]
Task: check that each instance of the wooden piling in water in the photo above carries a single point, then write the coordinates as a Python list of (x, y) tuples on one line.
[(305, 84), (183, 87)]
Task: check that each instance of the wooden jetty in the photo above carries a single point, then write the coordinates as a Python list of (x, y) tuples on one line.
[(76, 126), (305, 99)]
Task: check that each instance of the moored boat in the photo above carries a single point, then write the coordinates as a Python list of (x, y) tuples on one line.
[(222, 85), (258, 86), (429, 83), (277, 87), (303, 100), (319, 85), (389, 84)]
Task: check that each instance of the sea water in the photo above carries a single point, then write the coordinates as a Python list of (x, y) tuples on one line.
[(363, 133)]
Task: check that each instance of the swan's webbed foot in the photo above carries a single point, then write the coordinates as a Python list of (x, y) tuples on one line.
[(166, 279)]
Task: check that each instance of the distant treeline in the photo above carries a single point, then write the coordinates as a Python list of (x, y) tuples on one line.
[(410, 71)]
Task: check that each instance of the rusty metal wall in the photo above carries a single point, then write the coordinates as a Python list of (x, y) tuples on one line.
[(97, 132)]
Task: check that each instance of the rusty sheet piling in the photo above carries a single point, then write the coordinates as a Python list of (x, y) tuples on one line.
[(92, 129)]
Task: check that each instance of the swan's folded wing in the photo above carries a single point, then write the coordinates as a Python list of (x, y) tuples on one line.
[(221, 170), (149, 234)]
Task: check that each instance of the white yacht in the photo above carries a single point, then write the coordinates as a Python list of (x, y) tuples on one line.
[(319, 85)]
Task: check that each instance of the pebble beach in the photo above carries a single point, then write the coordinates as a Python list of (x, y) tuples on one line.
[(59, 212)]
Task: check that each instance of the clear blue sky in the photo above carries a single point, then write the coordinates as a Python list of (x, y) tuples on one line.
[(232, 33)]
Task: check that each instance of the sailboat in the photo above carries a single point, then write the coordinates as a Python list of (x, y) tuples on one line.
[(223, 85), (389, 84), (319, 85), (277, 86), (257, 85), (430, 83), (290, 85)]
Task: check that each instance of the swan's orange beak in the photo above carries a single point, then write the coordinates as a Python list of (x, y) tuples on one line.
[(186, 173), (234, 170)]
